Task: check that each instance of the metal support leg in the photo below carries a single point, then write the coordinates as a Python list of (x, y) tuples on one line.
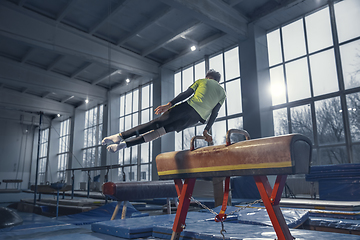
[(271, 198), (73, 183), (178, 186), (88, 186), (168, 205), (106, 180), (184, 203), (123, 214), (57, 204), (116, 210)]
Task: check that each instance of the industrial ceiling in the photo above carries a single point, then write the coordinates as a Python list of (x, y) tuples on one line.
[(56, 54)]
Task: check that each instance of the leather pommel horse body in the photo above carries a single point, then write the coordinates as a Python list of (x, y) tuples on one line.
[(281, 156)]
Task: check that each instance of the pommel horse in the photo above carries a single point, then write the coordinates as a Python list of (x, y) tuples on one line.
[(281, 156)]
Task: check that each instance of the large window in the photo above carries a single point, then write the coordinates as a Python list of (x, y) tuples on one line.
[(136, 107), (63, 155), (315, 81), (92, 139), (230, 114), (43, 156)]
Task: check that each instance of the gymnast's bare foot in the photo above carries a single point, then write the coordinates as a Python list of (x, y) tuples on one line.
[(116, 138), (116, 147)]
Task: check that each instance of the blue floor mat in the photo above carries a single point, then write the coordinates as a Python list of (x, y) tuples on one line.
[(100, 214), (203, 230), (259, 216), (145, 226)]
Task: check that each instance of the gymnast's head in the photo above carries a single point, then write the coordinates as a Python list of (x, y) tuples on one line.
[(212, 74)]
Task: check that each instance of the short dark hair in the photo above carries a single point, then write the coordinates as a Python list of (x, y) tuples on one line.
[(213, 75)]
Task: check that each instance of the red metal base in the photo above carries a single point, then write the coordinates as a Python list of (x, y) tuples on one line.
[(271, 199), (186, 190)]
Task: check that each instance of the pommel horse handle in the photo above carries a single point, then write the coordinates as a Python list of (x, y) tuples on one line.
[(192, 142), (240, 131)]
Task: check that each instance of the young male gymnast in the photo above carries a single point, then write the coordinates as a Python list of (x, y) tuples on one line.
[(205, 98)]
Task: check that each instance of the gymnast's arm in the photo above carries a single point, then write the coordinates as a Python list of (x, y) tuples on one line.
[(182, 96), (211, 121)]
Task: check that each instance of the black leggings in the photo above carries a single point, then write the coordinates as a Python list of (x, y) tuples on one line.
[(177, 118)]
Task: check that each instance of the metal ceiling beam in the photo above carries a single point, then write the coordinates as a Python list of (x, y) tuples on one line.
[(271, 8), (65, 40), (47, 94), (105, 77), (107, 17), (16, 74), (169, 38), (67, 99), (55, 62), (81, 69), (201, 45), (66, 10), (125, 87), (27, 55), (19, 101), (144, 25), (215, 13)]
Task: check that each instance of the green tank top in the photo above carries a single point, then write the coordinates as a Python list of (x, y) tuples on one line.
[(207, 93)]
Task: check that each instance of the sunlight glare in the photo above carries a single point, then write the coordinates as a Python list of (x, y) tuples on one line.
[(277, 89)]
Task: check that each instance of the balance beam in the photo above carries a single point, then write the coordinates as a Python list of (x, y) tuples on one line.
[(281, 156), (17, 181), (131, 191)]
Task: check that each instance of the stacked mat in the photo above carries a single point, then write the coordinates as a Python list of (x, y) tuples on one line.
[(100, 214), (161, 226), (337, 182)]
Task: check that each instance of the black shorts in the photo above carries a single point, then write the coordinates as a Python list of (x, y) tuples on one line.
[(180, 117), (177, 118)]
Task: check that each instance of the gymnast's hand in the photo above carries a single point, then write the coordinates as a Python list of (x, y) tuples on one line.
[(207, 136), (163, 108)]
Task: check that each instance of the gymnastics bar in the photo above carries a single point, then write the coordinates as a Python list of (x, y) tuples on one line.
[(131, 191), (281, 156)]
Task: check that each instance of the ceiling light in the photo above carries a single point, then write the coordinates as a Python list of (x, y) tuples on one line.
[(58, 115), (127, 80), (86, 100), (193, 48)]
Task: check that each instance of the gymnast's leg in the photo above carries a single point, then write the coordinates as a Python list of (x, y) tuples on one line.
[(147, 137), (168, 117), (140, 129), (182, 123)]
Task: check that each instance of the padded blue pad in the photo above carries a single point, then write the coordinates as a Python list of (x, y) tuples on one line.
[(9, 218), (351, 225), (131, 227), (337, 182), (143, 226), (39, 231), (235, 231), (335, 214), (100, 214), (259, 216)]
